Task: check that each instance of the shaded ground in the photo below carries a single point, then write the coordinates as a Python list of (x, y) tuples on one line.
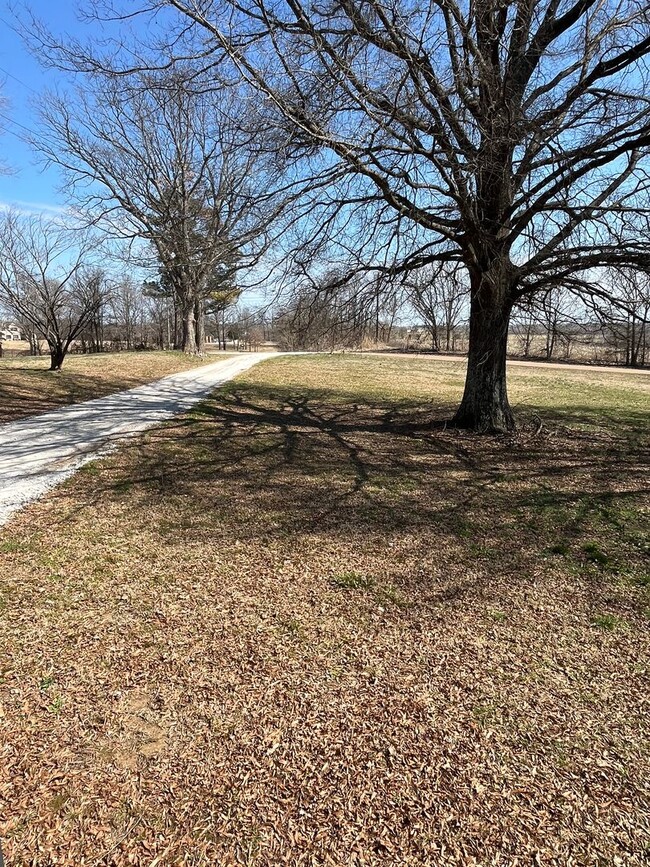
[(27, 386), (306, 624)]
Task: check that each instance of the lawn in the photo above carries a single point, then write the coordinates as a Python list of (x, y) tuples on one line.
[(28, 387), (307, 623)]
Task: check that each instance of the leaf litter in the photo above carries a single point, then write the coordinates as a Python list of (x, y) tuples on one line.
[(307, 626)]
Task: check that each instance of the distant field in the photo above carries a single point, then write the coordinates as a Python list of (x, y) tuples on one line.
[(309, 624), (28, 387), (12, 347)]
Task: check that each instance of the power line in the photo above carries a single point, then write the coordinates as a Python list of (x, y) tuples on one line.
[(13, 28), (6, 71), (9, 119), (15, 78)]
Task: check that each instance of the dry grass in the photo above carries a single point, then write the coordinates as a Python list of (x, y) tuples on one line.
[(306, 624), (28, 387)]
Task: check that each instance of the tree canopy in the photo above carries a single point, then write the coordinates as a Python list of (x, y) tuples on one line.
[(512, 138), (508, 138)]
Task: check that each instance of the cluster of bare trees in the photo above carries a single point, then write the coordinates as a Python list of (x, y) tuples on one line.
[(439, 297), (612, 326), (174, 177), (501, 147), (624, 317), (169, 164), (131, 317), (55, 286), (89, 309), (332, 314), (430, 312)]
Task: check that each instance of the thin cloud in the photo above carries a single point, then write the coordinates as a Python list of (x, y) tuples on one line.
[(56, 214), (34, 208)]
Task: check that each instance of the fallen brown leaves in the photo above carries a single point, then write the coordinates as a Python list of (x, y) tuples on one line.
[(312, 628)]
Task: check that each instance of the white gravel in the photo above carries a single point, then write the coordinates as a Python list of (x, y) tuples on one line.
[(39, 452)]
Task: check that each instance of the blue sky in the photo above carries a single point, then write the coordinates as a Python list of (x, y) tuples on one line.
[(26, 185)]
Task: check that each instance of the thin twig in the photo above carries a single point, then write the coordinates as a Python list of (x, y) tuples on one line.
[(117, 843)]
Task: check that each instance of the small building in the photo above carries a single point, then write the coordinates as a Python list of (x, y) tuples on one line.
[(10, 331)]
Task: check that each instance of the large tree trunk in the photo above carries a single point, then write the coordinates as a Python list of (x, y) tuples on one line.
[(485, 405), (199, 320), (57, 355), (188, 336)]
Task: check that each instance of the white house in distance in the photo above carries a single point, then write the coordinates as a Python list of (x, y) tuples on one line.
[(10, 331)]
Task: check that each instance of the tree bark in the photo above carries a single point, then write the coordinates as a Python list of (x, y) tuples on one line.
[(199, 326), (188, 329), (485, 405), (57, 355)]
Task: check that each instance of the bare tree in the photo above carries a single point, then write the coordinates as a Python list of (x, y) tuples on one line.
[(553, 317), (330, 315), (48, 280), (559, 318), (165, 159), (223, 294), (626, 326), (127, 306), (30, 334), (160, 313), (439, 295), (511, 138)]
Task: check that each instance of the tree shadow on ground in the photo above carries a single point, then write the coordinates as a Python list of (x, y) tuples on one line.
[(302, 593), (267, 464)]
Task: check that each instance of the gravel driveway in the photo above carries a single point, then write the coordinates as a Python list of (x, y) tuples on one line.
[(39, 452)]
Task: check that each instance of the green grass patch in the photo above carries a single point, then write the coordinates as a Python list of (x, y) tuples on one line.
[(594, 554), (608, 622), (352, 581)]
